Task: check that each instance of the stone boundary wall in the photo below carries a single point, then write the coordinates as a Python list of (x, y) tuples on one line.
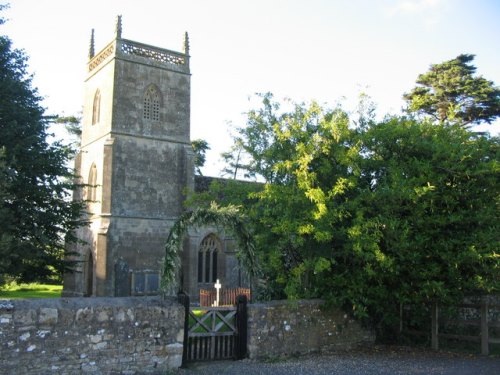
[(91, 335), (289, 328), (144, 335)]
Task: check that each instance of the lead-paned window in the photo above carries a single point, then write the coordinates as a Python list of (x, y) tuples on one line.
[(207, 259), (151, 104)]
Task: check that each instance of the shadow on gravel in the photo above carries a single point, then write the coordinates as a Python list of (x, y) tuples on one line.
[(367, 361)]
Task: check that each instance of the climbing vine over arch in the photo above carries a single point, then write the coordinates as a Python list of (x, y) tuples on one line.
[(228, 218)]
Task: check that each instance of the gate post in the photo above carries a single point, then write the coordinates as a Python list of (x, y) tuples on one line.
[(184, 299), (484, 327), (241, 321), (435, 326)]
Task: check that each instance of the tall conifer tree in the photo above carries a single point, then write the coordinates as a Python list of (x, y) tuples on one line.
[(450, 92), (36, 210)]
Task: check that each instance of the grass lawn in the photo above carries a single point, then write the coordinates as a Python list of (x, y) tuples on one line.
[(17, 291)]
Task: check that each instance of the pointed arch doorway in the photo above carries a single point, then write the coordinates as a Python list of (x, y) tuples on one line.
[(88, 275)]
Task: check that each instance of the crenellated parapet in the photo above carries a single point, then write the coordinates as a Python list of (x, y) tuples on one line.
[(139, 52), (158, 55), (98, 59)]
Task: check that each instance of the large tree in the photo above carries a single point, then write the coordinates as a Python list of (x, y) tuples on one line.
[(450, 92), (36, 210), (372, 216), (426, 216), (200, 148)]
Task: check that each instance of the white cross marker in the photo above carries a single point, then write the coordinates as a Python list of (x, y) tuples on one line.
[(217, 287)]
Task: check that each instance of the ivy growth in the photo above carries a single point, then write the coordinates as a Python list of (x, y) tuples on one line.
[(228, 218)]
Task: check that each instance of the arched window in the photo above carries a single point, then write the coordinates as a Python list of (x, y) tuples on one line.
[(151, 109), (207, 259), (92, 182), (96, 108)]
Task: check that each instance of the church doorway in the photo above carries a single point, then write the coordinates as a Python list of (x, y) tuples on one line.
[(88, 275)]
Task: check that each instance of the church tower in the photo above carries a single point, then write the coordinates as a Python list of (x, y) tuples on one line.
[(137, 161)]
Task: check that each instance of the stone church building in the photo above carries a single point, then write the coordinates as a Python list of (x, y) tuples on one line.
[(137, 161)]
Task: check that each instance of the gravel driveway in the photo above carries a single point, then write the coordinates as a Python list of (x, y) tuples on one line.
[(386, 361)]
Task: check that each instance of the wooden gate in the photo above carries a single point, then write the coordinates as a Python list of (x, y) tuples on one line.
[(214, 333)]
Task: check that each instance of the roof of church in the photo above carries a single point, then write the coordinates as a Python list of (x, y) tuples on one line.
[(202, 183)]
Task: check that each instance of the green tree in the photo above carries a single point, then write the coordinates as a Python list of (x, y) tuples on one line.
[(425, 222), (372, 216), (281, 213), (257, 142), (233, 161), (36, 212), (450, 92), (200, 148), (72, 124)]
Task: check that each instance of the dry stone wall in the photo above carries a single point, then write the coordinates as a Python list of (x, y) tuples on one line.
[(91, 335), (288, 328), (144, 335)]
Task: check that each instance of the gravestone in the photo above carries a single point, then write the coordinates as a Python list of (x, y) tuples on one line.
[(122, 284)]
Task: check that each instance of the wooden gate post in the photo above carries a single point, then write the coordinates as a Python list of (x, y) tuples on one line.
[(184, 299), (435, 326), (484, 327), (242, 319)]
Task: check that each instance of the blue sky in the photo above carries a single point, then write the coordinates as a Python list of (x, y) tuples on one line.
[(324, 50)]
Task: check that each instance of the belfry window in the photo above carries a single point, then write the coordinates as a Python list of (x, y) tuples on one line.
[(207, 259), (151, 109), (96, 108), (92, 184)]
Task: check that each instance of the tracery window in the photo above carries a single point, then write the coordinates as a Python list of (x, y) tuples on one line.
[(151, 109), (207, 259), (92, 182), (96, 108)]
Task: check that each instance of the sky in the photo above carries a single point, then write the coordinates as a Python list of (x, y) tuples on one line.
[(323, 50)]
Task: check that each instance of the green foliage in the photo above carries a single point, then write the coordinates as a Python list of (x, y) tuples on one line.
[(36, 212), (450, 92), (227, 218), (259, 143), (200, 148), (372, 214), (72, 124), (427, 213), (234, 161), (231, 192), (2, 7)]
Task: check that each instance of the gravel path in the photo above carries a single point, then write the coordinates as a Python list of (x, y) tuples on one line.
[(400, 361)]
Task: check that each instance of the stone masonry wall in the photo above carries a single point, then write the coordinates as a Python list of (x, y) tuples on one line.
[(285, 328), (144, 335), (91, 335)]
